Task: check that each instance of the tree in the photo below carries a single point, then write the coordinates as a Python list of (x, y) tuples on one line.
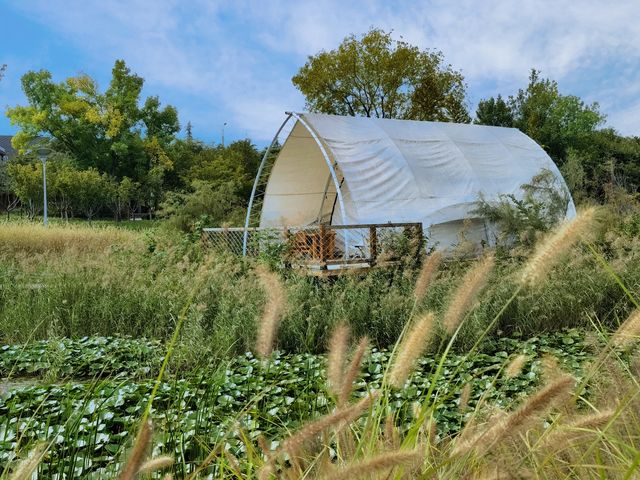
[(376, 76), (91, 190), (204, 204), (557, 122), (494, 111), (542, 204), (27, 185), (108, 131)]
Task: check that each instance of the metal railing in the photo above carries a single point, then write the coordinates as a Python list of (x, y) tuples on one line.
[(323, 246)]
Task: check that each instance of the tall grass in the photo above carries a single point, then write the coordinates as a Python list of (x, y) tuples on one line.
[(545, 435), (31, 238), (78, 281)]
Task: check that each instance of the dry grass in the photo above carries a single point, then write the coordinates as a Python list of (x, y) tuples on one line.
[(31, 238)]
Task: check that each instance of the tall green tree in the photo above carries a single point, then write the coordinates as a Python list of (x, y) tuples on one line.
[(494, 111), (113, 132), (377, 76), (557, 122)]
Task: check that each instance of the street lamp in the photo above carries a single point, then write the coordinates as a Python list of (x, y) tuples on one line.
[(43, 153), (223, 125)]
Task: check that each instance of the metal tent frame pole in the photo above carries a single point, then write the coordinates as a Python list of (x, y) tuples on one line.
[(264, 161), (255, 185)]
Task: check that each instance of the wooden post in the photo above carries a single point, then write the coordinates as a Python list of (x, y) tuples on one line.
[(373, 245), (419, 237), (322, 240)]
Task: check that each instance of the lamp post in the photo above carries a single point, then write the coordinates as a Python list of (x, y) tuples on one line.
[(43, 153), (223, 125)]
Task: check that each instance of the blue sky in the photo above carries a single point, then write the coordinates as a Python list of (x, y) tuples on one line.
[(233, 61)]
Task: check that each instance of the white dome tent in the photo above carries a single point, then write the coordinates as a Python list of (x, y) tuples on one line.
[(338, 170)]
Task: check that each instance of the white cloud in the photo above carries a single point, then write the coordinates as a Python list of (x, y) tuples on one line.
[(239, 58)]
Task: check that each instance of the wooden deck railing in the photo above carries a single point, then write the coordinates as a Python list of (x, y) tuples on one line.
[(324, 246)]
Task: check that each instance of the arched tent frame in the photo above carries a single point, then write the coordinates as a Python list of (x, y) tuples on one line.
[(261, 170)]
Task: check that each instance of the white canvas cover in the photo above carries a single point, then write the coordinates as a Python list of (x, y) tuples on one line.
[(398, 171)]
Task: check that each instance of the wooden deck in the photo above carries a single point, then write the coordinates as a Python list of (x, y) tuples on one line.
[(325, 250)]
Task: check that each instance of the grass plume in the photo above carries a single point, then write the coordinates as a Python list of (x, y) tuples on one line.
[(465, 395), (577, 427), (138, 452), (338, 345), (272, 311), (352, 371), (155, 464), (532, 410), (410, 349), (427, 274), (369, 468), (628, 332), (464, 297), (25, 469), (515, 366), (552, 249)]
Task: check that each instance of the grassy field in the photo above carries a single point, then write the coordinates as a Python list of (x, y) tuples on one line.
[(506, 361)]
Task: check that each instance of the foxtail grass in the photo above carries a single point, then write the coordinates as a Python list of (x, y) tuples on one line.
[(272, 311), (515, 366), (377, 465), (576, 427), (139, 451), (628, 332), (352, 371), (553, 248), (464, 297), (531, 411), (155, 464), (426, 276), (338, 345), (25, 469), (415, 342)]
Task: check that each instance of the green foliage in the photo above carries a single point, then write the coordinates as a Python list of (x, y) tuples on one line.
[(557, 122), (26, 180), (494, 111), (109, 132), (71, 191), (376, 76), (542, 204), (206, 204), (87, 357), (92, 420)]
